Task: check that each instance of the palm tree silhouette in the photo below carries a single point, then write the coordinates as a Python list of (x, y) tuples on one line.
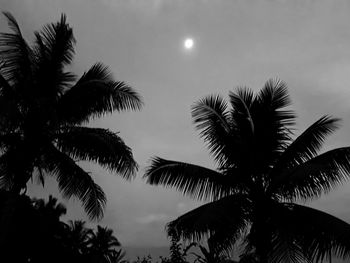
[(51, 208), (76, 237), (102, 244), (44, 111), (262, 173)]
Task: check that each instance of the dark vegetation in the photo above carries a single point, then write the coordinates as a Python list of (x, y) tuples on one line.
[(253, 198), (42, 237), (44, 112), (262, 175)]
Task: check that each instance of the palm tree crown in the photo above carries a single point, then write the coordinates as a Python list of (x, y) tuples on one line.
[(43, 110), (102, 244), (261, 172)]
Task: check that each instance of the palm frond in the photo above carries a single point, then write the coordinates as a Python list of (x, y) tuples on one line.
[(10, 115), (4, 85), (98, 71), (241, 102), (55, 44), (12, 23), (314, 177), (272, 122), (11, 173), (226, 214), (286, 249), (54, 49), (74, 181), (306, 145), (316, 232), (274, 95), (262, 124), (98, 145), (223, 242), (211, 117), (15, 54), (196, 181), (96, 94)]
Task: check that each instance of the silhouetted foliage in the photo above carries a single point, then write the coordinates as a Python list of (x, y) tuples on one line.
[(102, 244), (25, 229), (117, 256), (43, 112), (262, 172), (212, 253), (178, 252), (34, 228)]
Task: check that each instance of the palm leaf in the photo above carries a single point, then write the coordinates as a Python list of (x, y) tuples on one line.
[(226, 214), (274, 95), (241, 102), (286, 249), (15, 54), (98, 145), (306, 145), (272, 124), (314, 177), (74, 181), (261, 124), (54, 49), (196, 181), (55, 44), (96, 94), (211, 117), (316, 232)]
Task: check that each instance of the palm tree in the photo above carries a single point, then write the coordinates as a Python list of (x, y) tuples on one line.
[(102, 244), (44, 111), (76, 237), (51, 209), (262, 176)]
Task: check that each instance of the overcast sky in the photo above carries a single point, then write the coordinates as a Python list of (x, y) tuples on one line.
[(306, 43)]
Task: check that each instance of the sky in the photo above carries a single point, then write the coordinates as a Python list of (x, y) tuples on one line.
[(236, 43)]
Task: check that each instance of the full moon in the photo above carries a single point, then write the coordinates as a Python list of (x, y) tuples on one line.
[(188, 43)]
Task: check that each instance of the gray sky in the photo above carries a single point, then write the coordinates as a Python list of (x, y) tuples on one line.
[(237, 43)]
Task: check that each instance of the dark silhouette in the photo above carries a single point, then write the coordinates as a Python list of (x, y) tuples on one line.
[(178, 252), (51, 209), (102, 245), (43, 112), (214, 252), (23, 229), (76, 238), (262, 172), (40, 235), (117, 256)]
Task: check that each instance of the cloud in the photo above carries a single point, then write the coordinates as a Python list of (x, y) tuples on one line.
[(152, 218)]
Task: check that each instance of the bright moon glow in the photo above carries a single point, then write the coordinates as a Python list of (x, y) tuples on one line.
[(188, 43)]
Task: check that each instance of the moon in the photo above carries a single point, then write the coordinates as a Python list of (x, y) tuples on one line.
[(188, 43)]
